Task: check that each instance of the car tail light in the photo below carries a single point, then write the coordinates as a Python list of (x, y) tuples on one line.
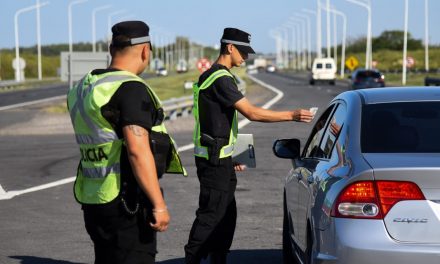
[(392, 192), (373, 200)]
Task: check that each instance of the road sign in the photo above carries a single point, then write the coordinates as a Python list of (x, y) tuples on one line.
[(352, 63), (21, 64), (410, 62), (203, 64)]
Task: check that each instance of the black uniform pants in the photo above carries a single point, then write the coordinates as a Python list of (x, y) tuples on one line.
[(120, 238), (214, 226)]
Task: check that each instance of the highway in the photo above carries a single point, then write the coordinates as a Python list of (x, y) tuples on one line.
[(46, 226)]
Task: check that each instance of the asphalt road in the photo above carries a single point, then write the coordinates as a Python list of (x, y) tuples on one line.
[(46, 226)]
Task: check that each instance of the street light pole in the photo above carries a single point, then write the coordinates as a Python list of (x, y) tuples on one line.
[(109, 22), (426, 37), (344, 37), (405, 41), (276, 35), (295, 37), (40, 74), (368, 56), (313, 13), (94, 11), (309, 53), (17, 45), (302, 24), (328, 29), (69, 16), (318, 27)]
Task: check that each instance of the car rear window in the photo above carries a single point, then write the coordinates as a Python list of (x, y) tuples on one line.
[(368, 74), (412, 127)]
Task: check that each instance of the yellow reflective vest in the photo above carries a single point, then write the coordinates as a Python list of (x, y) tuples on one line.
[(98, 178), (199, 149)]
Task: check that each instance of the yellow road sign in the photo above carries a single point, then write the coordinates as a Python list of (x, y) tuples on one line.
[(352, 63)]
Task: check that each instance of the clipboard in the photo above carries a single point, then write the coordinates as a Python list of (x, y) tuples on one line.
[(244, 152)]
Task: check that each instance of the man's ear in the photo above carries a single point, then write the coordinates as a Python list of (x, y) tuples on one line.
[(230, 47), (145, 52)]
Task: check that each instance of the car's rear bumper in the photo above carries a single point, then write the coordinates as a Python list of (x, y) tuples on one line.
[(367, 241)]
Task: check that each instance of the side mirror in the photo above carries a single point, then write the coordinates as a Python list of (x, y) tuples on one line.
[(287, 148)]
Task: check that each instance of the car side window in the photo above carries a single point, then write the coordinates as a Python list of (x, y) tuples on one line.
[(312, 148), (332, 131)]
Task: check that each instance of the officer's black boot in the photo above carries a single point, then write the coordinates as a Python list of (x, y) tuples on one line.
[(218, 257)]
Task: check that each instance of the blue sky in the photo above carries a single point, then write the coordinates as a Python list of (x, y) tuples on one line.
[(203, 21)]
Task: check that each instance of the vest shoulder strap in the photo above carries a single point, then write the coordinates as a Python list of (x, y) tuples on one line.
[(214, 76)]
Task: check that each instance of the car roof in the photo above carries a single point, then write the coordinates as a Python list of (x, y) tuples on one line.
[(393, 94)]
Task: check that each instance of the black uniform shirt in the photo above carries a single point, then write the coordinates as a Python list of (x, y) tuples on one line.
[(131, 104), (216, 104), (216, 112)]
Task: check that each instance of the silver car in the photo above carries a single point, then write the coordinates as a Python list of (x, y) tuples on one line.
[(366, 187)]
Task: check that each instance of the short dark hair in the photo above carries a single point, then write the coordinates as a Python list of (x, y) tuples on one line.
[(116, 48), (224, 49)]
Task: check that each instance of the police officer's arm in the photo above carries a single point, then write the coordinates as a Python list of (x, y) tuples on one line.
[(142, 162), (255, 113)]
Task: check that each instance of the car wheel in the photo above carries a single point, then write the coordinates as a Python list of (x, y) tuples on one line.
[(288, 257), (311, 82), (332, 82)]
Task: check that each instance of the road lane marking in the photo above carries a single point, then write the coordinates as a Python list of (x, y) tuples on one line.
[(7, 107), (6, 195)]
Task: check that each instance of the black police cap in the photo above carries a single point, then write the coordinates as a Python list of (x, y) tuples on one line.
[(238, 38), (137, 32)]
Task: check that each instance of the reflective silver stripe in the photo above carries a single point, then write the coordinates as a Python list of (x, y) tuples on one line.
[(135, 41), (229, 149), (236, 42), (201, 151), (99, 136), (102, 137), (101, 172)]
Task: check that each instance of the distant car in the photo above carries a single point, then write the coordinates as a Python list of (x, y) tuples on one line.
[(362, 78), (366, 187), (161, 72), (270, 68), (323, 70)]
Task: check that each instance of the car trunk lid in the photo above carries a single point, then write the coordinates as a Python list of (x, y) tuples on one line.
[(415, 221)]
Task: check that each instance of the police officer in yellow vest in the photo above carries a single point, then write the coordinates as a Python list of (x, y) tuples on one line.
[(216, 101), (118, 124)]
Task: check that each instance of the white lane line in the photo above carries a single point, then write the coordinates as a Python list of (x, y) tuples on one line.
[(10, 194), (32, 102)]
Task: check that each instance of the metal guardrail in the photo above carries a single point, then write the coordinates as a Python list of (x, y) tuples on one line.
[(182, 107)]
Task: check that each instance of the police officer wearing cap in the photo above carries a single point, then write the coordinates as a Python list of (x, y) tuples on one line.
[(216, 102), (125, 148)]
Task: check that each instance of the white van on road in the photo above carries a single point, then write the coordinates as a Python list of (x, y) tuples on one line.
[(323, 69)]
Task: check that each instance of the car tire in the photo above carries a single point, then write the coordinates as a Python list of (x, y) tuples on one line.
[(288, 256), (332, 82), (312, 82)]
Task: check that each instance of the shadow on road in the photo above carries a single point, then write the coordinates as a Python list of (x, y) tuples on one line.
[(38, 260), (250, 256)]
